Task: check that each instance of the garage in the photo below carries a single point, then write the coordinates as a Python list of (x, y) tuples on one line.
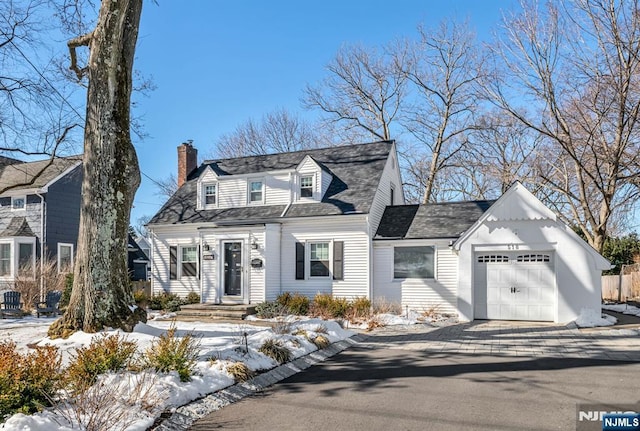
[(514, 286)]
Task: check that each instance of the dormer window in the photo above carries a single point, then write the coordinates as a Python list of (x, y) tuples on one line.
[(210, 194), (256, 192), (18, 203), (306, 186)]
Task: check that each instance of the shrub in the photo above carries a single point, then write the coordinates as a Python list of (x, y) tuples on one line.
[(276, 351), (192, 298), (284, 298), (321, 341), (321, 329), (295, 303), (106, 353), (382, 306), (173, 353), (141, 298), (269, 310), (240, 371), (166, 301), (27, 382), (322, 305), (29, 278), (360, 309), (340, 307), (282, 327)]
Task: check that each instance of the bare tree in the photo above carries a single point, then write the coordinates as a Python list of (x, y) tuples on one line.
[(101, 294), (501, 150), (444, 67), (363, 92), (37, 116), (572, 74), (277, 132)]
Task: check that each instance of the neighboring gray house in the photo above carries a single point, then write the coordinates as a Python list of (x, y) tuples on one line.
[(39, 213), (333, 220)]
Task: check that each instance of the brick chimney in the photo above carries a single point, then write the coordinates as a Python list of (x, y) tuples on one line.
[(187, 161)]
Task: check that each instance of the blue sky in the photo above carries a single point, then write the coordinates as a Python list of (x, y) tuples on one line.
[(217, 64)]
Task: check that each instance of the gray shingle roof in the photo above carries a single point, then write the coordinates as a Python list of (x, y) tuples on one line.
[(29, 175), (18, 226), (356, 171), (440, 220)]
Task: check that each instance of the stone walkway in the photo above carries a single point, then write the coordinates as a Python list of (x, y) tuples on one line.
[(501, 338)]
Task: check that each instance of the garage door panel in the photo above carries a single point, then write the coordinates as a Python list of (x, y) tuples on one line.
[(515, 287)]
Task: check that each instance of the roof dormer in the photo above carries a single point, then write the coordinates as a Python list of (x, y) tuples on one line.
[(208, 191), (312, 180)]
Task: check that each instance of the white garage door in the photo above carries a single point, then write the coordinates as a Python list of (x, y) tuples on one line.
[(514, 286)]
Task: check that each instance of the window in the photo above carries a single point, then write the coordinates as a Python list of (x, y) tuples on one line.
[(255, 192), (319, 259), (306, 186), (210, 194), (18, 202), (493, 258), (533, 258), (5, 259), (413, 262), (189, 262), (65, 257), (25, 258)]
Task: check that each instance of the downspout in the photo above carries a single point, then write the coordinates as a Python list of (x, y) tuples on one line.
[(43, 240)]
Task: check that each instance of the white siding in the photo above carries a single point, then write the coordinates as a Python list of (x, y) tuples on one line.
[(356, 255), (418, 294), (390, 175), (272, 262), (232, 192), (257, 275), (207, 177), (278, 189), (160, 263)]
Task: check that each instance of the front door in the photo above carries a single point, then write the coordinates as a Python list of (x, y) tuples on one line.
[(233, 268)]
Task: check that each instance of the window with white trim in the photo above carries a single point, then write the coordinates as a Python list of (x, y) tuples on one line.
[(306, 186), (26, 261), (18, 203), (189, 261), (210, 194), (65, 257), (319, 259), (413, 262), (5, 260), (256, 191)]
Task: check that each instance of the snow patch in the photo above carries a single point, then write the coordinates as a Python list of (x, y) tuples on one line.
[(590, 318)]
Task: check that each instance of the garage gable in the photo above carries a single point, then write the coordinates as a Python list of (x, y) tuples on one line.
[(519, 204)]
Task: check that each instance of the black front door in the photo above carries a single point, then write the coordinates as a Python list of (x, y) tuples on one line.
[(233, 269)]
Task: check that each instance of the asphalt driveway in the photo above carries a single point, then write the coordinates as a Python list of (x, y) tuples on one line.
[(473, 376)]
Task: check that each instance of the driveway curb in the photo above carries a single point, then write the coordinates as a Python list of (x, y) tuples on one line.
[(185, 416)]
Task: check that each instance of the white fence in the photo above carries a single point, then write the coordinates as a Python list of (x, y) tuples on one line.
[(630, 284)]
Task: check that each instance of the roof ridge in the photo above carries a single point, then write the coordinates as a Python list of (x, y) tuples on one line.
[(307, 150)]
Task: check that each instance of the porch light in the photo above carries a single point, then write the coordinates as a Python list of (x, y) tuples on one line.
[(255, 245), (206, 247)]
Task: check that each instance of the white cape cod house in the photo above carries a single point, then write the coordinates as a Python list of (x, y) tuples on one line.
[(334, 220)]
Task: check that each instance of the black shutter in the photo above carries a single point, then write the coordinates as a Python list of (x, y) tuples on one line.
[(299, 261), (199, 262), (338, 260), (173, 262)]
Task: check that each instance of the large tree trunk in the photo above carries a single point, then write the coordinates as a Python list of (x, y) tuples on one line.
[(102, 295)]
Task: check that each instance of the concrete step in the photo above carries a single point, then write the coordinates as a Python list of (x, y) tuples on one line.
[(216, 311)]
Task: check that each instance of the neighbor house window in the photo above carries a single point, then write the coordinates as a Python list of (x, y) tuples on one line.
[(255, 191), (65, 257), (210, 194), (189, 262), (413, 262), (319, 259), (5, 259), (18, 202), (306, 186), (25, 258)]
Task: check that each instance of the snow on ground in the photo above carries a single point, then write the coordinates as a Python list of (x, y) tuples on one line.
[(222, 342), (622, 308), (590, 318)]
